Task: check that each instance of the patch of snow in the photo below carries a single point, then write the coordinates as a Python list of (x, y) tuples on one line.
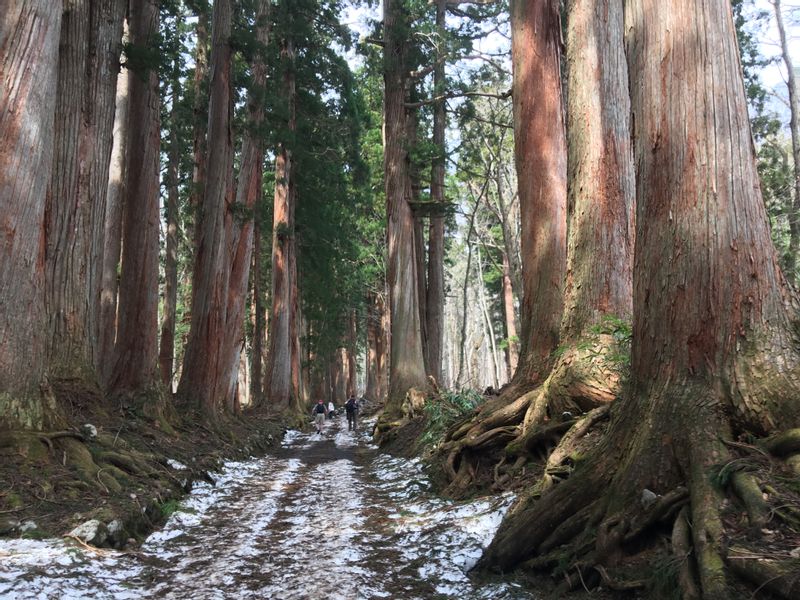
[(332, 519), (177, 465)]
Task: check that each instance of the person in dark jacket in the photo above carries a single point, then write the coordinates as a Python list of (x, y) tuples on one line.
[(351, 408), (319, 415)]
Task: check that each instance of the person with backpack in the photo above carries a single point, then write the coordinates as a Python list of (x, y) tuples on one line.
[(319, 415), (351, 408)]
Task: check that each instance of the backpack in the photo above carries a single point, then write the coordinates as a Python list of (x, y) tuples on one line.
[(319, 409), (351, 405)]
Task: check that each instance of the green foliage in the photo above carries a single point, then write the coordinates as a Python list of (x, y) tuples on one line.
[(619, 353), (663, 583), (169, 507), (445, 410), (721, 474)]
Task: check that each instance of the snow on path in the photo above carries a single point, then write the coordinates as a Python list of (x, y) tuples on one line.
[(327, 518)]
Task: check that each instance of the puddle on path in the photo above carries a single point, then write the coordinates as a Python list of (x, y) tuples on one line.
[(328, 517)]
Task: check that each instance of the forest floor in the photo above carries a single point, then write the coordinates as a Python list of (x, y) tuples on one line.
[(323, 516), (50, 483), (648, 560)]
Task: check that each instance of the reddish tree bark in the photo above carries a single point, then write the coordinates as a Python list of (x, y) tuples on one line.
[(136, 349), (29, 33), (541, 157), (351, 354), (509, 315), (112, 230), (202, 384), (715, 348), (239, 234), (282, 323), (89, 49), (257, 319), (200, 120), (166, 349), (377, 327), (406, 365), (598, 289), (434, 301)]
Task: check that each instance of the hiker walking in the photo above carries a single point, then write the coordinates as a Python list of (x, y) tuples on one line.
[(319, 415), (351, 408), (331, 410)]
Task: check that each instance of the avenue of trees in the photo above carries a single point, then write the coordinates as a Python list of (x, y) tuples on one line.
[(214, 208)]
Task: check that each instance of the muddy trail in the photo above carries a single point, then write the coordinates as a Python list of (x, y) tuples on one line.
[(328, 516)]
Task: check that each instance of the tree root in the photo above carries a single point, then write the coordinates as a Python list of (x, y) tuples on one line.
[(682, 549), (664, 509), (780, 577), (581, 427), (491, 438), (707, 528), (784, 443), (793, 462), (747, 488), (510, 414), (527, 443)]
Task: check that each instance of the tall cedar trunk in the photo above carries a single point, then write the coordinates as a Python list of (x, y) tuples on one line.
[(794, 128), (202, 381), (279, 364), (714, 356), (166, 349), (89, 49), (462, 379), (373, 334), (541, 157), (598, 289), (421, 268), (509, 316), (112, 230), (257, 319), (199, 121), (136, 348), (414, 184), (406, 366), (601, 179), (295, 318), (434, 302), (351, 354), (509, 219), (239, 234), (29, 33)]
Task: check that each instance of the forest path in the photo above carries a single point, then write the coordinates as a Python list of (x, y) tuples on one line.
[(327, 517)]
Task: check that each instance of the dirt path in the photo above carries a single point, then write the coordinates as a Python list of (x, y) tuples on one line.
[(328, 517)]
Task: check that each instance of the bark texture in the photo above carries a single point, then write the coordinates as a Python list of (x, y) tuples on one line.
[(541, 157), (29, 34), (279, 378), (406, 363), (166, 350), (715, 349), (89, 50), (598, 291), (434, 301), (200, 121), (201, 386), (377, 355), (112, 235), (239, 222), (136, 348)]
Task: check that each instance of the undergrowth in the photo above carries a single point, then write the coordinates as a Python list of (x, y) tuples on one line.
[(445, 410)]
